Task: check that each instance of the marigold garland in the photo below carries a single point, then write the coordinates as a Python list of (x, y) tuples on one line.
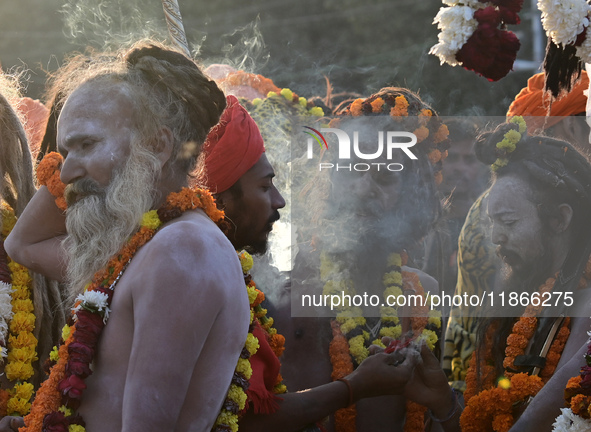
[(59, 397), (577, 396), (351, 340), (236, 398), (48, 174), (17, 324), (492, 407)]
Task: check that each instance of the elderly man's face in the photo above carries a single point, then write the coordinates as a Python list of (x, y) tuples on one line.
[(95, 129)]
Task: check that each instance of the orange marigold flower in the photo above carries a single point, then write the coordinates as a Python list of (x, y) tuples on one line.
[(356, 107), (517, 340), (502, 422), (376, 105), (422, 133), (46, 168), (441, 134), (434, 156)]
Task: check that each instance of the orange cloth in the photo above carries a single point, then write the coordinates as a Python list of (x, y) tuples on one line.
[(232, 147), (531, 102)]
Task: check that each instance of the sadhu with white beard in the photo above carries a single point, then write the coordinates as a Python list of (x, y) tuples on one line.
[(156, 289), (30, 313)]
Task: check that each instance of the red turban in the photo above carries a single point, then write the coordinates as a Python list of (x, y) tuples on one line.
[(531, 102), (232, 147)]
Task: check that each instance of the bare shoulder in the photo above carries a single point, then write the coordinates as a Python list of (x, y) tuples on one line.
[(429, 283), (187, 257)]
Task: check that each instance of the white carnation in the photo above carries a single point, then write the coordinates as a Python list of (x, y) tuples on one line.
[(6, 313), (563, 20), (94, 300), (570, 422), (457, 24)]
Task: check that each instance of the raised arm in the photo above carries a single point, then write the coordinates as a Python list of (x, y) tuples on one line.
[(35, 241), (378, 375)]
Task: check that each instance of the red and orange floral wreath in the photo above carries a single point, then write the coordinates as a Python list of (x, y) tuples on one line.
[(66, 381), (492, 408), (351, 340)]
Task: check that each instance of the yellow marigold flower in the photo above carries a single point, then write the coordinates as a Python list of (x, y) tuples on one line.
[(252, 294), (395, 260), (379, 343), (358, 349), (65, 410), (251, 316), (245, 261), (256, 101), (20, 275), (66, 330), (499, 163), (8, 221), (518, 120), (441, 134), (18, 371), (243, 367), (25, 355), (260, 313), (270, 321), (393, 332), (422, 133), (351, 323), (18, 406), (271, 94), (430, 337), (236, 394), (287, 94), (22, 340), (280, 389), (376, 105), (76, 428), (24, 390), (392, 278), (20, 305), (272, 331), (365, 335), (54, 354), (22, 321), (228, 419), (21, 292), (303, 102), (151, 220), (317, 111), (392, 291), (435, 321), (251, 344), (504, 383)]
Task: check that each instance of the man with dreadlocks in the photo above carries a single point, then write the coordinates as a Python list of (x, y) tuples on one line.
[(31, 315), (160, 314), (539, 206), (358, 225), (477, 263)]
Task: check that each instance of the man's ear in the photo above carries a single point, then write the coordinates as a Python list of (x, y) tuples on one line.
[(565, 216), (164, 145)]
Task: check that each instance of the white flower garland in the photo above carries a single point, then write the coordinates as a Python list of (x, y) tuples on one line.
[(564, 20), (570, 422), (6, 315), (457, 24)]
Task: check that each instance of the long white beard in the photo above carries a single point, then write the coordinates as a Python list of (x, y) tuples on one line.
[(100, 223)]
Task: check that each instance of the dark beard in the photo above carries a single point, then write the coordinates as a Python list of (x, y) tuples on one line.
[(531, 275)]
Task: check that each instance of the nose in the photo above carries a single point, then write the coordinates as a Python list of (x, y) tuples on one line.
[(72, 169), (498, 236), (278, 202)]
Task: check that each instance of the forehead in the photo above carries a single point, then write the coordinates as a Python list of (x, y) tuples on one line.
[(94, 107), (261, 169), (509, 194)]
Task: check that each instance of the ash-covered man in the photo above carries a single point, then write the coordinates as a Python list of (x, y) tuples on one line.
[(238, 173), (539, 206), (142, 247)]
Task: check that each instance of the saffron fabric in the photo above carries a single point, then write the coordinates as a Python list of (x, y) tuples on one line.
[(232, 147)]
